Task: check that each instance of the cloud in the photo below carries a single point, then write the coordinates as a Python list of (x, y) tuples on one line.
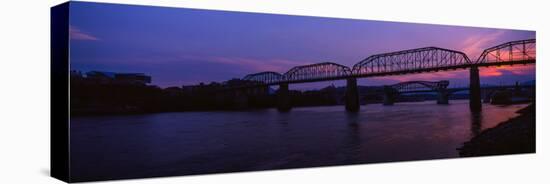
[(77, 34), (435, 76), (250, 64), (512, 70), (474, 45)]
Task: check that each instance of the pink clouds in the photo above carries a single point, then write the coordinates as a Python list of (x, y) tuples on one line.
[(77, 34), (498, 71), (458, 74), (490, 72), (474, 45), (428, 76)]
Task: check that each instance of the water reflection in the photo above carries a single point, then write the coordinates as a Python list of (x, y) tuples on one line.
[(205, 142), (476, 123), (352, 118)]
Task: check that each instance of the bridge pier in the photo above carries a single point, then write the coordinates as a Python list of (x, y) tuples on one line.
[(442, 96), (389, 95), (475, 90), (283, 98), (388, 99), (259, 91), (240, 99), (352, 95)]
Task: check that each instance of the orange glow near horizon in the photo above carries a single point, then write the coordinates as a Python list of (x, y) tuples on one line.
[(500, 70), (429, 76), (488, 72)]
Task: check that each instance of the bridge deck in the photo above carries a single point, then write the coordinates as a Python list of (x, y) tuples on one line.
[(435, 69)]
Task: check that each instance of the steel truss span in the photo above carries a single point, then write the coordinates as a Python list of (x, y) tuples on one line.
[(411, 61), (264, 77), (326, 70), (510, 52), (427, 59)]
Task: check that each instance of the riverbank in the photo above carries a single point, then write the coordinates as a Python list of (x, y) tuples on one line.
[(517, 135)]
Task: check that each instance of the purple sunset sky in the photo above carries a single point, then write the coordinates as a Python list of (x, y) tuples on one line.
[(179, 46)]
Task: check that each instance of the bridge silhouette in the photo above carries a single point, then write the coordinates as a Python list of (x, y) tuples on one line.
[(391, 92), (413, 61)]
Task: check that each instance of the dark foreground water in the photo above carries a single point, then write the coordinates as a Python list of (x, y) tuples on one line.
[(115, 147)]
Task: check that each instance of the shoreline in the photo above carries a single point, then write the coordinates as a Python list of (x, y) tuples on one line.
[(93, 112), (514, 136)]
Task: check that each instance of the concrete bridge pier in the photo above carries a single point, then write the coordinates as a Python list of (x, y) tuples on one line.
[(352, 95), (475, 90), (258, 91), (389, 95), (443, 96), (240, 99), (388, 99), (283, 98)]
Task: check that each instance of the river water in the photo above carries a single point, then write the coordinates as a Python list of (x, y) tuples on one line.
[(130, 146)]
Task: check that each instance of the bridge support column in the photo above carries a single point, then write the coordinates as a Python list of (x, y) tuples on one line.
[(475, 90), (283, 98), (389, 95), (388, 99), (442, 97), (352, 95), (240, 99)]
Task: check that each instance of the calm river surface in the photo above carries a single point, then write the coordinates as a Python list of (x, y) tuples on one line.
[(115, 147)]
